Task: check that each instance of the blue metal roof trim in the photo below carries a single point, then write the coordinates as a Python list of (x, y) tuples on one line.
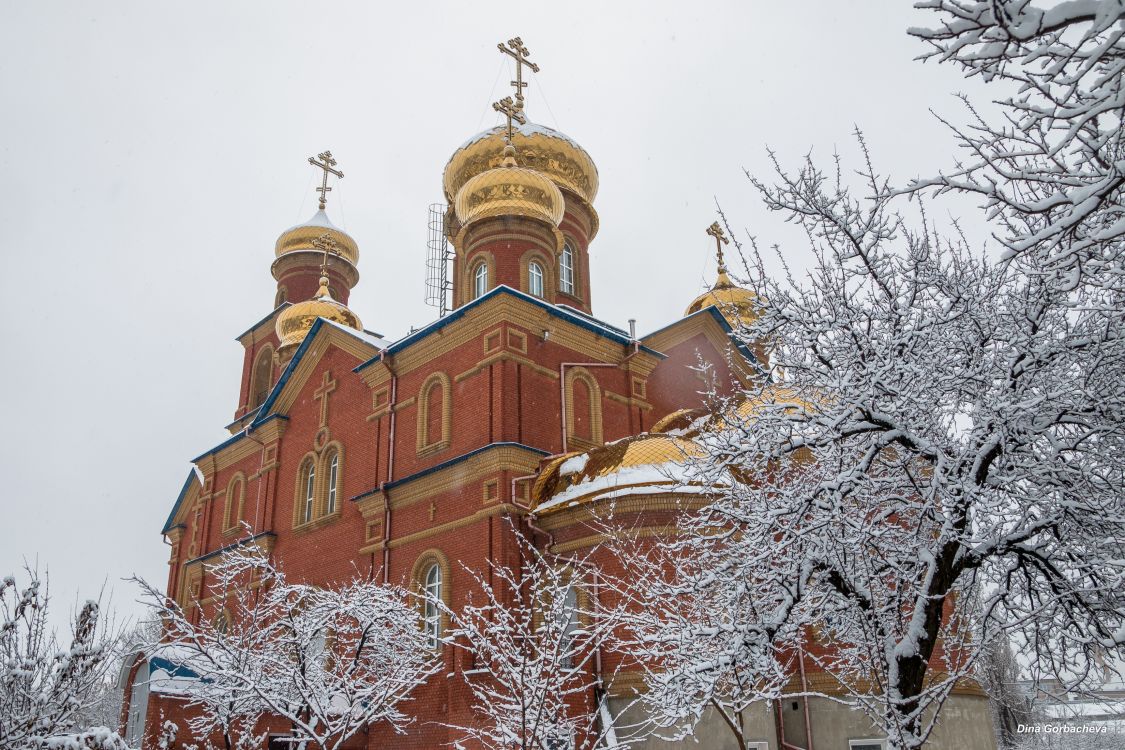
[(722, 321), (263, 320), (263, 410), (169, 666), (579, 319), (240, 543), (447, 464), (179, 500)]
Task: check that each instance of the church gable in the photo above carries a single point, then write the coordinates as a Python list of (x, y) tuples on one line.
[(323, 337)]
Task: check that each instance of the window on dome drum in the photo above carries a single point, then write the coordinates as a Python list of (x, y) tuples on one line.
[(308, 483), (431, 612), (262, 377), (333, 472), (535, 279), (480, 280), (566, 269)]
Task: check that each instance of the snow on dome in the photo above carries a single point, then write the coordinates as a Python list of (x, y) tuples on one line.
[(300, 238)]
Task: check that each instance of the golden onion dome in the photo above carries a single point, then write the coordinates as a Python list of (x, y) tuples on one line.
[(300, 238), (509, 190), (295, 321), (738, 305), (542, 149)]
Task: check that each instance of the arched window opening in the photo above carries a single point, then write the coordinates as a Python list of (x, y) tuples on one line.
[(434, 399), (282, 296), (566, 269), (431, 610), (333, 474), (236, 496), (308, 499), (262, 377), (434, 414), (568, 624), (583, 418), (480, 280), (535, 279)]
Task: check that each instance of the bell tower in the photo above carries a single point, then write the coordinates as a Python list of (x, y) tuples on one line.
[(297, 267), (521, 206)]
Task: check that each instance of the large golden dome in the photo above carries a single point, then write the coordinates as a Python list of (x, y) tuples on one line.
[(540, 148), (300, 238), (295, 321), (739, 306), (509, 190)]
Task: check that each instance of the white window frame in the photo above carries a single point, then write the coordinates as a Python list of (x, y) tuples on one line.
[(333, 472), (480, 280), (431, 612), (880, 743), (310, 492), (535, 279), (566, 269)]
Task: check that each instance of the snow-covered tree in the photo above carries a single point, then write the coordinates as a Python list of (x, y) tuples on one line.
[(531, 641), (48, 689), (328, 661), (936, 461)]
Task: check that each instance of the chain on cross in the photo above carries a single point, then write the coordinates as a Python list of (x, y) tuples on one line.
[(519, 53), (326, 163), (716, 231)]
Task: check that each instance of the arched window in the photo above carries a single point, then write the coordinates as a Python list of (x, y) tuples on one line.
[(480, 280), (333, 476), (535, 279), (431, 611), (568, 624), (307, 492), (262, 377), (236, 495), (282, 296), (583, 409), (435, 413), (566, 269)]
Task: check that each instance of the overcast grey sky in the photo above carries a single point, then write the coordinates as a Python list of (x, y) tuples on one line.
[(152, 152)]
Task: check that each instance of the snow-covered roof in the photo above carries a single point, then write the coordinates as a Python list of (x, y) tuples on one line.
[(630, 481), (319, 219), (367, 337)]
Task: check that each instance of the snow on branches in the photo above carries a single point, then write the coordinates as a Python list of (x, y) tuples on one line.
[(531, 643), (46, 689), (1052, 171), (327, 661)]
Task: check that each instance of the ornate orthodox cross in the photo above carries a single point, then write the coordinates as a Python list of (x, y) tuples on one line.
[(327, 385), (519, 53), (328, 245), (512, 110), (716, 231), (326, 163)]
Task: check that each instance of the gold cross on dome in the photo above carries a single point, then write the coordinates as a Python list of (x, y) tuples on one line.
[(716, 231), (513, 110), (328, 245), (326, 163), (519, 53)]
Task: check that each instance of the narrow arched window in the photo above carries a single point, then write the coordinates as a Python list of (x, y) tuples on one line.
[(262, 377), (568, 625), (309, 486), (333, 473), (535, 279), (480, 280), (431, 611), (236, 495), (566, 269)]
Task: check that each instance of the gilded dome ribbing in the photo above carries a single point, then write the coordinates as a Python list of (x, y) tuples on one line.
[(295, 321), (300, 238), (509, 190), (739, 306)]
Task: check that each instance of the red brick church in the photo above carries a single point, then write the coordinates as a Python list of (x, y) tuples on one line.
[(404, 459)]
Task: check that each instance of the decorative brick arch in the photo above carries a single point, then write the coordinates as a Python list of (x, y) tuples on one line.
[(428, 420), (583, 414)]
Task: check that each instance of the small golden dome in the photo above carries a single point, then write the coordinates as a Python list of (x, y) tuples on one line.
[(295, 321), (542, 149), (739, 306), (509, 190), (300, 238)]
